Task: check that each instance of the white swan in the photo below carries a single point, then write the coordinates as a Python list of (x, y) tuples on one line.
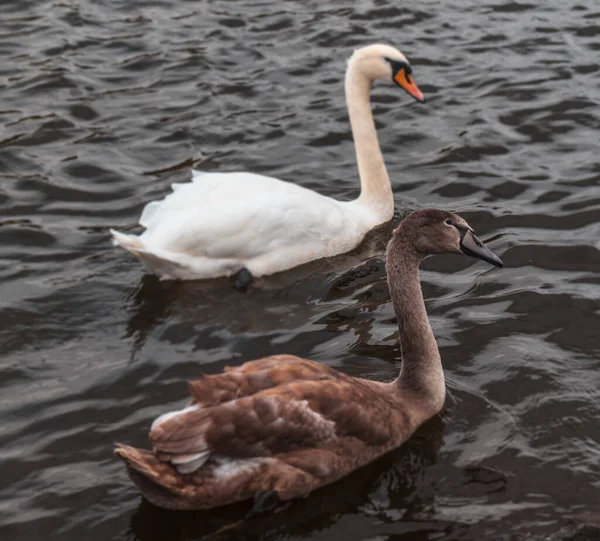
[(222, 224)]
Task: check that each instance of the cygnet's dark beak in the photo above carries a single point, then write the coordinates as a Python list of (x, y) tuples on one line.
[(471, 245)]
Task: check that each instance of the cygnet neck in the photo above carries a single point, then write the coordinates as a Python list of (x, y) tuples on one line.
[(422, 371)]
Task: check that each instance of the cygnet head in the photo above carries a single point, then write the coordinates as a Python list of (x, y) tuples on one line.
[(386, 63), (432, 231)]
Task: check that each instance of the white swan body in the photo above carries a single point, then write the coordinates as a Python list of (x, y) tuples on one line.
[(220, 223)]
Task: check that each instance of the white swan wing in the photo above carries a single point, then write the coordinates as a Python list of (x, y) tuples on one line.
[(207, 189), (247, 228)]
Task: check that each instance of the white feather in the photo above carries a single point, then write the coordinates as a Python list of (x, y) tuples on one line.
[(230, 467), (169, 415), (190, 463)]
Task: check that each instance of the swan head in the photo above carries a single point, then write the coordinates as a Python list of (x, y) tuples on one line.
[(432, 231), (386, 63)]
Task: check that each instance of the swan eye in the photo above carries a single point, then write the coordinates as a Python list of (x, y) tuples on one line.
[(398, 65), (448, 221)]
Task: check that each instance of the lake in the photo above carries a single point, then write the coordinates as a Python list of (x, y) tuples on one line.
[(105, 104)]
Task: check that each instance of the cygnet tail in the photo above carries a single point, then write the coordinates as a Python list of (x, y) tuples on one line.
[(157, 481)]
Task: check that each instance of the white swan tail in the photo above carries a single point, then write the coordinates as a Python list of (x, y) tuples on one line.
[(172, 266), (161, 266), (131, 243)]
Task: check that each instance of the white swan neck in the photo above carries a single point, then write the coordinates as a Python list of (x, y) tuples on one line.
[(376, 190)]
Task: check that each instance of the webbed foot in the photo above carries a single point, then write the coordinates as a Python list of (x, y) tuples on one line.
[(266, 501), (242, 279)]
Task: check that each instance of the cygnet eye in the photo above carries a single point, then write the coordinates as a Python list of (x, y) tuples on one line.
[(448, 221)]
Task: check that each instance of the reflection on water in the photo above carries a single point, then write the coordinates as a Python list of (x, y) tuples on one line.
[(104, 105)]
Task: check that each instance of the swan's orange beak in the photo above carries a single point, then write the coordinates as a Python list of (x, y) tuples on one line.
[(406, 81)]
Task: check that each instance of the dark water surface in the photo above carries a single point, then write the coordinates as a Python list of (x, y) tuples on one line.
[(105, 104)]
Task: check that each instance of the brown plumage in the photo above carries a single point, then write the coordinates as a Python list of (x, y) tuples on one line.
[(283, 425)]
